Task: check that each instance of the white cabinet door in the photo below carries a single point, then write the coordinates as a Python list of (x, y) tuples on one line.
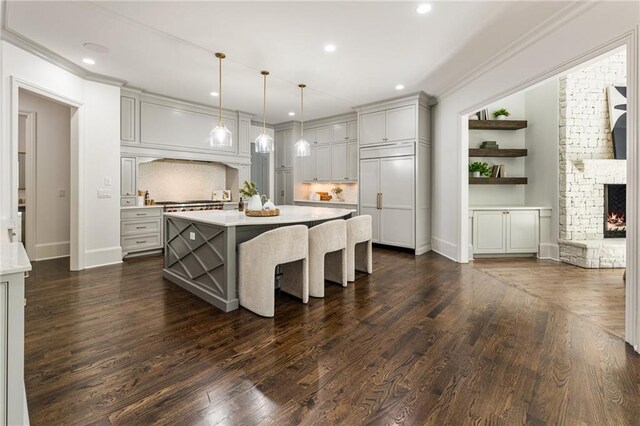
[(284, 149), (288, 188), (244, 137), (369, 189), (489, 232), (323, 135), (372, 128), (339, 132), (309, 166), (400, 124), (522, 231), (352, 130), (352, 161), (323, 163), (397, 224), (279, 149), (127, 119), (310, 136), (128, 176), (339, 154)]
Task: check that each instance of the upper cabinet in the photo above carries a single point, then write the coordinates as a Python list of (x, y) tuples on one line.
[(284, 149), (344, 161), (346, 131), (127, 119), (128, 177), (317, 135), (390, 125)]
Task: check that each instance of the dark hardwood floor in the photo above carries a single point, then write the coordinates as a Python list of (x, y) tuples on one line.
[(421, 341)]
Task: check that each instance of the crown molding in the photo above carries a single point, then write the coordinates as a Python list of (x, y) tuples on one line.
[(50, 56), (564, 15)]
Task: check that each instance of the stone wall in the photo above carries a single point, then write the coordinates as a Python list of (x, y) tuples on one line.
[(586, 154)]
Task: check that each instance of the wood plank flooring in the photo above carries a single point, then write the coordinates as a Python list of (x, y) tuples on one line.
[(595, 294), (421, 341)]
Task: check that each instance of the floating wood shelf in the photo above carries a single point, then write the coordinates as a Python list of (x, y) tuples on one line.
[(498, 181), (479, 152), (497, 124)]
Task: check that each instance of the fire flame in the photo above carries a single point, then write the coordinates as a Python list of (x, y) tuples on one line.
[(616, 219)]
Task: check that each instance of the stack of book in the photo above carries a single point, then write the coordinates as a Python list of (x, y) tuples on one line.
[(489, 145), (498, 170)]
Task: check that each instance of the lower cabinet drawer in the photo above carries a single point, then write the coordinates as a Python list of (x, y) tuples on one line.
[(137, 227), (127, 201), (141, 242)]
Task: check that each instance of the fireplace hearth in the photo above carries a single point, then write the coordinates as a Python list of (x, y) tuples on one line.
[(615, 210)]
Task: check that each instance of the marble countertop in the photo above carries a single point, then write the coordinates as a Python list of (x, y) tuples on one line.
[(350, 203), (13, 259), (288, 214), (153, 206), (509, 207)]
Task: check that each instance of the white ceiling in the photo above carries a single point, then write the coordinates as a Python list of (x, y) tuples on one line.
[(167, 47)]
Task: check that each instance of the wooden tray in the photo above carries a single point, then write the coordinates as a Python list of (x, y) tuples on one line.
[(262, 213)]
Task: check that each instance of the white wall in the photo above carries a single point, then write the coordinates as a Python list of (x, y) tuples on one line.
[(99, 151), (542, 138), (561, 43), (491, 195), (52, 156)]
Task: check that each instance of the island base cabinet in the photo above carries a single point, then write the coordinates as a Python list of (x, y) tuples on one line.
[(506, 231)]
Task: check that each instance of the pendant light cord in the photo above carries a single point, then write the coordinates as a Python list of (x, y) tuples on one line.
[(220, 91), (302, 110), (264, 106)]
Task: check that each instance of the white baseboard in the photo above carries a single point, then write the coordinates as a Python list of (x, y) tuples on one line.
[(52, 250), (102, 257), (423, 249), (549, 251), (445, 248)]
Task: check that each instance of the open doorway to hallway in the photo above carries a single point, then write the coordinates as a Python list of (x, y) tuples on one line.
[(556, 190), (44, 147)]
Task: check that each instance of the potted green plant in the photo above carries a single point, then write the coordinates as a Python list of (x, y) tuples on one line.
[(250, 193), (479, 169), (501, 114)]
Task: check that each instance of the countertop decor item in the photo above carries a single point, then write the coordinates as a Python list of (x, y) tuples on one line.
[(264, 142), (220, 136), (479, 169), (337, 191), (501, 114), (262, 213), (250, 193), (303, 149)]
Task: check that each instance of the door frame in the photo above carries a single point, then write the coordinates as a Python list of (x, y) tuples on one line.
[(30, 181), (631, 42), (77, 141)]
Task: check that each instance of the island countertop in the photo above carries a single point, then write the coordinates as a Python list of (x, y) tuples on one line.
[(13, 259), (288, 214)]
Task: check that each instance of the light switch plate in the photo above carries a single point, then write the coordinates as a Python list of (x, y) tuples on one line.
[(62, 193), (192, 236), (107, 181)]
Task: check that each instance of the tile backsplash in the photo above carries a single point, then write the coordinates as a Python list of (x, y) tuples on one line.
[(349, 190), (179, 180)]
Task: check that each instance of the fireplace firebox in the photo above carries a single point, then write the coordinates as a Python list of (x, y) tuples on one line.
[(615, 210)]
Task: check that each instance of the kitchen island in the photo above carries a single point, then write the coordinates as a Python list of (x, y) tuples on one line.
[(200, 247)]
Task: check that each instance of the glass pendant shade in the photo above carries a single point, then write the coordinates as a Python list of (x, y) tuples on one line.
[(303, 149), (220, 136), (264, 143)]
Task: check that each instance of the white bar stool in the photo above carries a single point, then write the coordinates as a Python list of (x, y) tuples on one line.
[(327, 255), (257, 260), (359, 246)]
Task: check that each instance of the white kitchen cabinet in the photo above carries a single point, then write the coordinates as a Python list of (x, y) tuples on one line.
[(345, 131), (505, 231), (318, 135), (128, 177), (369, 193), (127, 119), (284, 187), (344, 161), (317, 167), (391, 125), (141, 230), (244, 136), (284, 149)]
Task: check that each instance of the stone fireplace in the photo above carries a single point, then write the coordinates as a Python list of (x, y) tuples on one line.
[(592, 182)]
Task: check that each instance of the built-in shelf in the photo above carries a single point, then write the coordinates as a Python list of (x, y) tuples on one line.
[(479, 152), (498, 181), (497, 124)]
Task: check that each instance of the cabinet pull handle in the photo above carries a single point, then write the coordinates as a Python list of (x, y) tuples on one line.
[(141, 227), (141, 214), (141, 242), (381, 201)]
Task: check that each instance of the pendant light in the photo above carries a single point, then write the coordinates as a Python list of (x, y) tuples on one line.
[(220, 136), (303, 149), (264, 142)]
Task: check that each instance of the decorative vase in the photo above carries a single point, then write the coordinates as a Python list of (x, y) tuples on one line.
[(254, 203), (269, 205), (501, 117), (475, 174)]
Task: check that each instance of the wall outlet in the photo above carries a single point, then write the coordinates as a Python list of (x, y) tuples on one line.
[(192, 236), (107, 181), (104, 193), (62, 193)]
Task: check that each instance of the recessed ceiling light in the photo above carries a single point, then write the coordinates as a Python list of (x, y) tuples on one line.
[(423, 8), (214, 93), (95, 47), (329, 47), (89, 61), (399, 86), (292, 113)]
